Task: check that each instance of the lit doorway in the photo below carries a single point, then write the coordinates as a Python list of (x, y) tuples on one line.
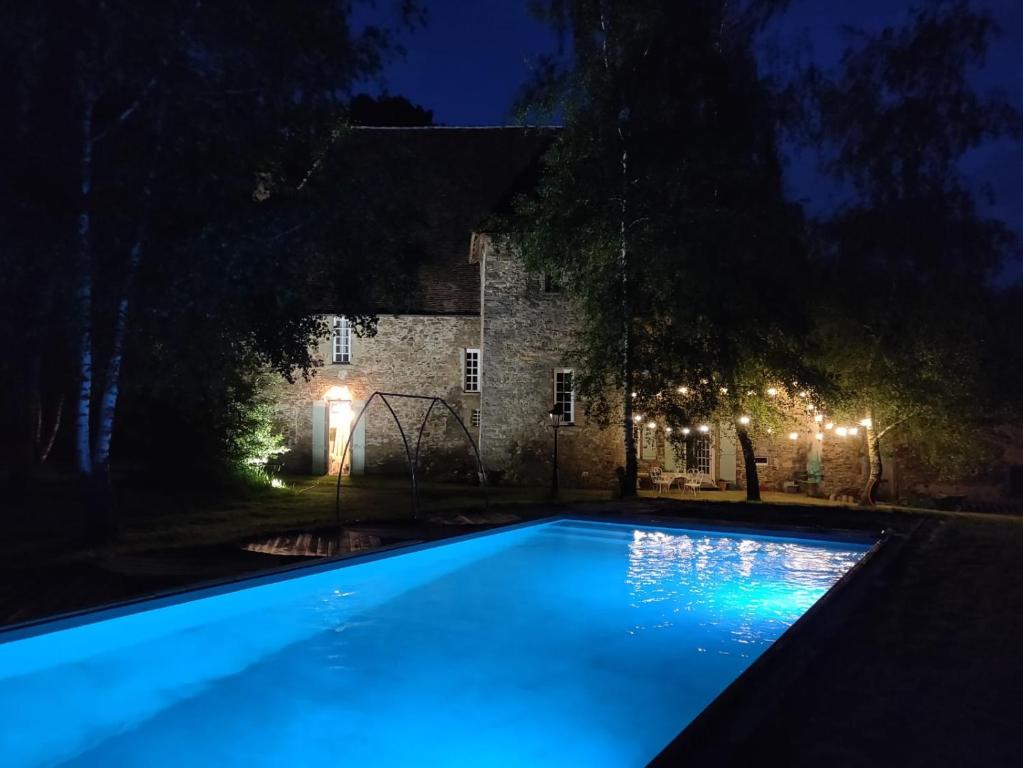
[(339, 425)]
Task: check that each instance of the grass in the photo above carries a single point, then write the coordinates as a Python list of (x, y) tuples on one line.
[(151, 520)]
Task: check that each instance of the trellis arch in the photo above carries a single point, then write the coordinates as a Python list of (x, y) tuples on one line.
[(411, 455)]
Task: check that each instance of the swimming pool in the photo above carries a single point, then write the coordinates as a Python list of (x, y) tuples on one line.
[(569, 642)]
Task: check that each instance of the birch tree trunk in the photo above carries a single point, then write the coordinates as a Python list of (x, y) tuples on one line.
[(868, 497), (749, 462), (83, 452), (631, 467)]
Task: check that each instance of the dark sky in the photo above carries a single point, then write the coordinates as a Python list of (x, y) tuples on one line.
[(472, 56)]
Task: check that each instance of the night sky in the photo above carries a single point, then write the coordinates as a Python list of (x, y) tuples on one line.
[(472, 56)]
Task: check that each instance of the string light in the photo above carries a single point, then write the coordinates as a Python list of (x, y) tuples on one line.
[(820, 435), (804, 393), (793, 435), (685, 430), (668, 430), (637, 418), (724, 390), (772, 392), (854, 431), (750, 392), (841, 431), (867, 422), (704, 428), (744, 420), (818, 417), (651, 425), (683, 390), (633, 394), (829, 425)]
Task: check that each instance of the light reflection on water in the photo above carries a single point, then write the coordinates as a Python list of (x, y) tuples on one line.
[(746, 587)]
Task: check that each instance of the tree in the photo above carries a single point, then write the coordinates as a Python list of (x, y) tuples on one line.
[(179, 141), (908, 261), (660, 205)]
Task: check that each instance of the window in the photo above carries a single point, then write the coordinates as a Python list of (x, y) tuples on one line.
[(471, 371), (477, 417), (341, 340), (564, 394), (550, 284), (701, 454), (647, 443)]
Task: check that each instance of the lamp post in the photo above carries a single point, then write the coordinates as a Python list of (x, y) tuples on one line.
[(556, 413)]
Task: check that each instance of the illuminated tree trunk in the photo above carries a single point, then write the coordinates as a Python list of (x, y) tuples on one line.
[(749, 462), (868, 497), (83, 452)]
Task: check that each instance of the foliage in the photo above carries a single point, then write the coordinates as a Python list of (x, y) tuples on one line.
[(161, 176), (906, 266), (661, 207)]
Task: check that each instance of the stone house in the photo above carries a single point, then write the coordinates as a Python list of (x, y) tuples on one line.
[(495, 342), (491, 339)]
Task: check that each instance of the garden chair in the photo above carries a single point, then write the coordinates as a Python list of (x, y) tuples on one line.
[(655, 479), (694, 481)]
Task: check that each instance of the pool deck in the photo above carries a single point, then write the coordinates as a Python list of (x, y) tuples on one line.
[(919, 664)]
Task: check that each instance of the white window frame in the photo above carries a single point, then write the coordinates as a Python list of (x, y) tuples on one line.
[(341, 341), (471, 359), (647, 442), (568, 413)]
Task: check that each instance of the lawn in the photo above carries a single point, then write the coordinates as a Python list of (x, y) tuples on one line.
[(151, 520)]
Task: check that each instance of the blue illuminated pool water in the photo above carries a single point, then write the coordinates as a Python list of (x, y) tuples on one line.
[(564, 643)]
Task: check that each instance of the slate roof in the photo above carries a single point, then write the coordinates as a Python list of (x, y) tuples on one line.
[(454, 179)]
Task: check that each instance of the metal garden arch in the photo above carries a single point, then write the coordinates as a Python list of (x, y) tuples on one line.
[(410, 455)]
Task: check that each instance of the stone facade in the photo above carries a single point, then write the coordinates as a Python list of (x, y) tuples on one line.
[(410, 354), (528, 334)]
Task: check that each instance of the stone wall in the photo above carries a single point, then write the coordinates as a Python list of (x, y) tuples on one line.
[(527, 334), (410, 354)]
